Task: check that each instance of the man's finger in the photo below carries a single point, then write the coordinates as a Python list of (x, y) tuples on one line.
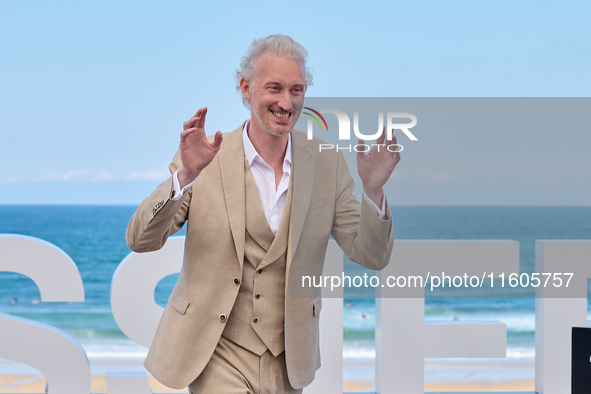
[(194, 121), (190, 123), (186, 133), (197, 113), (201, 122), (217, 141), (392, 143), (382, 137), (360, 152)]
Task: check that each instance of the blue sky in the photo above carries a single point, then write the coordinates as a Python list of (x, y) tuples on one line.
[(93, 94)]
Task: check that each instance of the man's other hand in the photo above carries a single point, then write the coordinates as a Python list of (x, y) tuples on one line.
[(376, 167), (196, 151)]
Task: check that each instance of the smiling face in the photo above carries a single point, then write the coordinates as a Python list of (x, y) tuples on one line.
[(276, 94)]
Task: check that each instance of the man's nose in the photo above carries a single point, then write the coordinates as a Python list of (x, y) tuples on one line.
[(285, 101)]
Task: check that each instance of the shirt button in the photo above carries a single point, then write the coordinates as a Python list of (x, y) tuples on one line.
[(255, 320), (257, 295), (222, 318), (236, 281), (259, 271)]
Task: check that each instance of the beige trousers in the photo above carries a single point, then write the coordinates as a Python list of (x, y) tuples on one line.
[(235, 370)]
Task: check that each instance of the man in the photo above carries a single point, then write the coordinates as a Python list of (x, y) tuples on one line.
[(260, 204)]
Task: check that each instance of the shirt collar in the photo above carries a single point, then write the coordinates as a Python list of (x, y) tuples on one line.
[(251, 153)]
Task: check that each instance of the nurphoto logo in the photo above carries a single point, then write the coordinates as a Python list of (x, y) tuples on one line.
[(345, 129)]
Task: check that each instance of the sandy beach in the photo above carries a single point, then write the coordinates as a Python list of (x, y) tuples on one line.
[(453, 376), (482, 386), (36, 384)]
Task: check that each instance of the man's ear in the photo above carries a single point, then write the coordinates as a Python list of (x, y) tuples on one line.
[(245, 88)]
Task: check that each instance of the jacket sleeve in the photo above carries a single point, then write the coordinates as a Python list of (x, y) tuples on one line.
[(364, 237), (158, 216)]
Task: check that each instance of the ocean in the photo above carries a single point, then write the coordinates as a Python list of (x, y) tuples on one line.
[(94, 237)]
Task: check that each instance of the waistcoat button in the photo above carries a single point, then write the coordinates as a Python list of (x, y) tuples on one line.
[(222, 318), (257, 295), (255, 320), (236, 281)]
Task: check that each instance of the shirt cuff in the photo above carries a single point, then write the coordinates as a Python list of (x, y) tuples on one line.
[(177, 192), (381, 213)]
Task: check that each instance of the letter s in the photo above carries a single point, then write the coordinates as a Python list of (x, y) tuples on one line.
[(134, 307), (53, 352), (133, 285)]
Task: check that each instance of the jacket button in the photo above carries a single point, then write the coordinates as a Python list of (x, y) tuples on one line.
[(255, 320), (259, 271), (222, 318), (257, 295), (236, 281)]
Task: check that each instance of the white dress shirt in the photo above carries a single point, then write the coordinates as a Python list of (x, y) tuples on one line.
[(272, 198)]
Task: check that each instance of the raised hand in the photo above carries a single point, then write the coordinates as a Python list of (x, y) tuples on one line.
[(196, 151), (376, 167)]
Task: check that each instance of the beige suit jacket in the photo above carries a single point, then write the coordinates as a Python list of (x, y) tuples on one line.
[(214, 209)]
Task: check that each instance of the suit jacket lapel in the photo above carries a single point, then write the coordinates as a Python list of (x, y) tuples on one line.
[(302, 172), (280, 241), (232, 170)]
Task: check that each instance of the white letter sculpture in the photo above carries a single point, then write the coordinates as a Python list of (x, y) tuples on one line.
[(404, 339), (51, 351)]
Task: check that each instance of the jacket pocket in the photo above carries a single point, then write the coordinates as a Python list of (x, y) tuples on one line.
[(317, 306), (178, 302)]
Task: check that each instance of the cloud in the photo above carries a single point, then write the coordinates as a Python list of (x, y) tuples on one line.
[(570, 43), (13, 179), (72, 175), (149, 175), (89, 176), (435, 176), (104, 176)]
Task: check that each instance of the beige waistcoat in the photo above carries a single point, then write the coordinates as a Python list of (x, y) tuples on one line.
[(257, 319)]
